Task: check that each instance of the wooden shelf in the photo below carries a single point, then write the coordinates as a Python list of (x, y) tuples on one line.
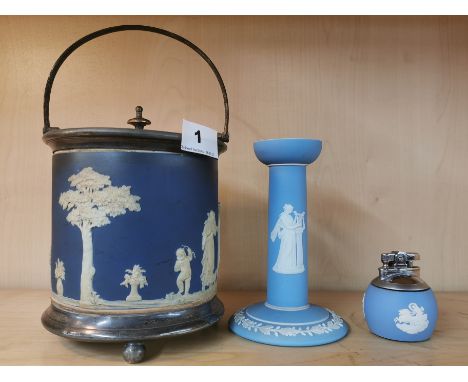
[(25, 342)]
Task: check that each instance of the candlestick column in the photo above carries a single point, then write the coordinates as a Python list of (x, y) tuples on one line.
[(287, 242), (286, 318)]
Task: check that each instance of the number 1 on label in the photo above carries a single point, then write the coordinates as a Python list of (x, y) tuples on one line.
[(198, 134)]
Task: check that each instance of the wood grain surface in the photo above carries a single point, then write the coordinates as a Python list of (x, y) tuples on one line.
[(387, 95), (25, 342)]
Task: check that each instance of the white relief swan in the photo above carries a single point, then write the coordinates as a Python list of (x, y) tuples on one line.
[(412, 320)]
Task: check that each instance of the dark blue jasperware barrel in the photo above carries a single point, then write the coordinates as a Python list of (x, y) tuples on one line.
[(135, 227), (119, 214)]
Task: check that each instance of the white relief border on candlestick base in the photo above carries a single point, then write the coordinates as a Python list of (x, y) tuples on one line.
[(335, 323)]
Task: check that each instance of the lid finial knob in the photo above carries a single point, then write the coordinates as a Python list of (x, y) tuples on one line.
[(139, 122)]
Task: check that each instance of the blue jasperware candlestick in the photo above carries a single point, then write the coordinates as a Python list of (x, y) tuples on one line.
[(286, 318)]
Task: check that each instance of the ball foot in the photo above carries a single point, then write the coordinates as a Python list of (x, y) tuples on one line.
[(133, 352)]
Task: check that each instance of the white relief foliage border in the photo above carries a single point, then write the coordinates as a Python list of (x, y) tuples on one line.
[(289, 331)]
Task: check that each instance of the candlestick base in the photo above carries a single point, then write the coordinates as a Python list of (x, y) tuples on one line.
[(310, 325)]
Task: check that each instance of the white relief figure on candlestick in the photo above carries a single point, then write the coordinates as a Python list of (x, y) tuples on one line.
[(412, 320), (184, 256), (136, 279), (210, 230), (59, 276), (289, 230), (91, 204)]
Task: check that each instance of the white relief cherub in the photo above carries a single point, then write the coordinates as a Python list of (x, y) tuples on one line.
[(59, 276), (184, 256)]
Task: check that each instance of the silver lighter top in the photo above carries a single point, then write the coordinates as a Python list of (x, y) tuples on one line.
[(399, 273)]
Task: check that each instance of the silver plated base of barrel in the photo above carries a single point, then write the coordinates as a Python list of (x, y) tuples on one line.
[(130, 328)]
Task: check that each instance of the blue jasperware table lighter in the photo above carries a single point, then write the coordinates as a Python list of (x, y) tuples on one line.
[(398, 304), (287, 318), (135, 228)]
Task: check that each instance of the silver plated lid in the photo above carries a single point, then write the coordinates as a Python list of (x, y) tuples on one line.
[(399, 273)]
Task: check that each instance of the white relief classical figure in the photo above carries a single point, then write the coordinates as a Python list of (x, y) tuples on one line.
[(289, 230), (136, 279), (218, 257), (412, 320), (184, 256), (210, 230), (93, 201), (59, 276), (363, 305)]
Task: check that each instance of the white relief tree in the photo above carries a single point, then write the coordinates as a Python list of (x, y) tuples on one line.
[(93, 201), (136, 279), (59, 276)]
